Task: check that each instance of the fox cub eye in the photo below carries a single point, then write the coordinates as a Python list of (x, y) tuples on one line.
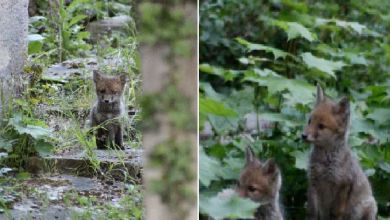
[(102, 91), (251, 189), (321, 126)]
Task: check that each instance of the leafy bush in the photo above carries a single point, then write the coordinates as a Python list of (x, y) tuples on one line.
[(59, 32), (23, 136), (259, 62)]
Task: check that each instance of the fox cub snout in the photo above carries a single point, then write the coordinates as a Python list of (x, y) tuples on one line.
[(108, 108), (261, 183)]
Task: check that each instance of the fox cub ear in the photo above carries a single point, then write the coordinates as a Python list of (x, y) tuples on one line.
[(320, 94), (271, 168), (343, 107), (249, 155), (124, 79), (96, 75)]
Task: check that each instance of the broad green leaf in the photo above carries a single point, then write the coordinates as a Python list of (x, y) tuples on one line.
[(83, 35), (301, 159), (252, 47), (223, 125), (75, 20), (299, 91), (321, 64), (228, 75), (277, 117), (353, 57), (43, 148), (228, 205), (6, 144), (35, 37), (34, 47), (295, 30), (381, 116), (384, 166), (209, 91), (37, 18), (210, 106), (37, 132), (260, 73), (369, 172), (35, 43), (232, 168), (361, 125), (74, 4), (209, 168), (239, 100), (355, 26), (356, 59)]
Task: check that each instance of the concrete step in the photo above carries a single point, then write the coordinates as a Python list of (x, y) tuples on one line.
[(119, 165), (58, 197)]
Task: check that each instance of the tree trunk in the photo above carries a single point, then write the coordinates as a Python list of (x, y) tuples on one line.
[(13, 47)]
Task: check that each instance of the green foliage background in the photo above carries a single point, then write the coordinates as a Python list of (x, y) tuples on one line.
[(264, 58)]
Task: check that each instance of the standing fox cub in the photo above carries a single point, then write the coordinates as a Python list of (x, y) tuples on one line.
[(108, 108), (261, 183), (338, 188)]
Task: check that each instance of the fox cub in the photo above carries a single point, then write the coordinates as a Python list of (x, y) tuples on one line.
[(338, 188), (108, 108), (261, 183)]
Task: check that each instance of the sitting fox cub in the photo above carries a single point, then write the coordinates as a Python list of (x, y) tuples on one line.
[(261, 183), (338, 188), (108, 108)]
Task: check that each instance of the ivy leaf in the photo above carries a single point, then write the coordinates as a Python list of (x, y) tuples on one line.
[(211, 106), (252, 47), (208, 168), (295, 30), (228, 204), (321, 64)]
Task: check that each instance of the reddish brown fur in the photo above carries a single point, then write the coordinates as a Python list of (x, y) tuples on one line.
[(254, 176), (108, 107), (261, 183), (338, 187), (325, 120), (109, 85)]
